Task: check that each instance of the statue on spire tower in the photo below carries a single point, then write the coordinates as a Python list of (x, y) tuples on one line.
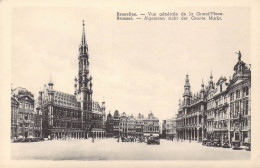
[(239, 56)]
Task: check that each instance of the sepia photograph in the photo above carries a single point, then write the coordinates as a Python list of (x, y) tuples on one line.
[(112, 82)]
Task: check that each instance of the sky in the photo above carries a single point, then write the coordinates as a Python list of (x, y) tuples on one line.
[(137, 66)]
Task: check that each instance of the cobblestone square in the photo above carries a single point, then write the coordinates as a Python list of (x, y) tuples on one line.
[(110, 149)]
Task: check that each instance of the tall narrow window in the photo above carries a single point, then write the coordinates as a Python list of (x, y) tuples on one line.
[(246, 107), (237, 94), (237, 108), (246, 91)]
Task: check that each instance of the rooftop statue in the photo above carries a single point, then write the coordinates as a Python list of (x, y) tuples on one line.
[(239, 56)]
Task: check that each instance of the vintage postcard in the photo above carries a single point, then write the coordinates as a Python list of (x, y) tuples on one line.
[(129, 84)]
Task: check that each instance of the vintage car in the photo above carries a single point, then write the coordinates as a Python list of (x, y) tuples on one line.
[(141, 139), (236, 144), (204, 141), (217, 143), (153, 140), (226, 144), (210, 142), (17, 140), (248, 143), (124, 139), (26, 140)]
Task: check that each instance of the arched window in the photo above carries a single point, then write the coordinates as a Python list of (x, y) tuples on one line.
[(238, 94)]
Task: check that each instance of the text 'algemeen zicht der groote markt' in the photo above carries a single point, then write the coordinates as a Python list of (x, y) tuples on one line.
[(161, 16)]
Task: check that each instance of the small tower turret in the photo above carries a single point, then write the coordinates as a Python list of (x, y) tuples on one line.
[(75, 85), (187, 93), (51, 99), (211, 83), (202, 90), (50, 90)]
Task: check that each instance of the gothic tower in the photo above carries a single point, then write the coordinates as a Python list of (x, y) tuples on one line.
[(187, 92), (83, 88), (51, 100)]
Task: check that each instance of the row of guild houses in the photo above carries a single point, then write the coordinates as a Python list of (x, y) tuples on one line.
[(169, 129), (219, 110), (56, 114), (124, 125)]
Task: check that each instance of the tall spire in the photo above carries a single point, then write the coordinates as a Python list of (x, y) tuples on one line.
[(83, 47), (50, 82), (83, 40), (211, 75)]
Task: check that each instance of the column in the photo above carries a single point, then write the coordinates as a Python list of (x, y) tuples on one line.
[(198, 134), (195, 138), (184, 137)]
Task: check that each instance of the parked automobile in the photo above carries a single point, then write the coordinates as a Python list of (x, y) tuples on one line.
[(153, 140), (41, 139), (141, 139), (226, 144), (210, 142), (17, 140), (248, 143), (217, 143), (25, 140), (236, 144), (124, 139), (204, 141)]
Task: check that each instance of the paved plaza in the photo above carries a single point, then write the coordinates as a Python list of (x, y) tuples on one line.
[(110, 149)]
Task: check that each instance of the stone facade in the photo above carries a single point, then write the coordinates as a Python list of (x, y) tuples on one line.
[(151, 125), (73, 115), (14, 117), (170, 129), (22, 119), (124, 125), (220, 110)]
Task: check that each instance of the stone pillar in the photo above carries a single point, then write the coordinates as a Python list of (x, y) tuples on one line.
[(190, 134), (229, 136), (195, 138), (185, 134), (198, 134)]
